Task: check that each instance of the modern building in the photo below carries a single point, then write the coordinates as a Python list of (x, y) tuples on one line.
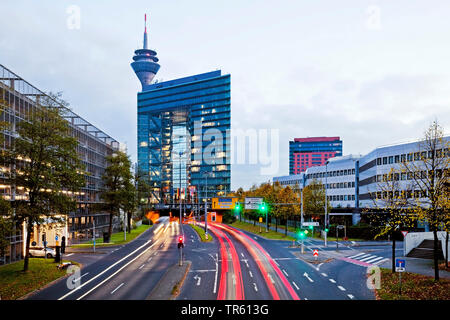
[(312, 151), (353, 181), (17, 98), (183, 131)]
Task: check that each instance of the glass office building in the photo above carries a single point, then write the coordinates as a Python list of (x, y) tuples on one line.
[(183, 132)]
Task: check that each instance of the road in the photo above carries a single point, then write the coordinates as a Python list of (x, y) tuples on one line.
[(130, 272), (237, 265)]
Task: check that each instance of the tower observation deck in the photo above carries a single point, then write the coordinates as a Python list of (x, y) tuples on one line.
[(145, 63)]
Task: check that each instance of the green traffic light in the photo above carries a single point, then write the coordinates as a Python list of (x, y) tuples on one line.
[(326, 230), (310, 227)]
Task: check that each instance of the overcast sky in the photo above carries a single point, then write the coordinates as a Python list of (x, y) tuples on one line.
[(372, 72)]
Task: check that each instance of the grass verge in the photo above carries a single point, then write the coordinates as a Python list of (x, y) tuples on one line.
[(272, 235), (414, 287), (14, 283), (201, 233), (116, 238)]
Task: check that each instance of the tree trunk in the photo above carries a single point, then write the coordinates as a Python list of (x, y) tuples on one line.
[(27, 245), (276, 224), (110, 225), (129, 222), (436, 257), (446, 251), (393, 252), (285, 232)]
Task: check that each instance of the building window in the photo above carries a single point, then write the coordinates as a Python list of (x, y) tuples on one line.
[(391, 160), (397, 159), (378, 161), (384, 160)]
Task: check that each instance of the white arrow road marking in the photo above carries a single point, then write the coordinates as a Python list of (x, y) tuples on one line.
[(75, 280), (242, 255), (199, 279), (332, 280), (307, 277), (284, 271), (256, 288), (295, 285), (341, 288), (117, 288), (350, 296)]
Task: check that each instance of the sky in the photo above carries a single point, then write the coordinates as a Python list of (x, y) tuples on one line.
[(371, 72)]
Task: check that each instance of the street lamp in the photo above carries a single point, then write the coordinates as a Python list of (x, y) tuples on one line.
[(326, 204), (180, 154), (206, 203)]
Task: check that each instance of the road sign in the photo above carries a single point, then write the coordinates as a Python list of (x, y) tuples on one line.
[(340, 226), (307, 224), (315, 253), (56, 238), (400, 265), (260, 219), (223, 203), (404, 233), (253, 203)]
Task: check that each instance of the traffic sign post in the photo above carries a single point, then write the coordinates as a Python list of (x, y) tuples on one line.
[(315, 253), (400, 265)]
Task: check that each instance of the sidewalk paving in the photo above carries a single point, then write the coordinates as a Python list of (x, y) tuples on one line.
[(171, 282)]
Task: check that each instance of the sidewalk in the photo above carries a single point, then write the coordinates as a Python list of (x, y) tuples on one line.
[(171, 282)]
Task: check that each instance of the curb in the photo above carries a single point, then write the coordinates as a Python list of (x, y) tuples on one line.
[(29, 294), (166, 293)]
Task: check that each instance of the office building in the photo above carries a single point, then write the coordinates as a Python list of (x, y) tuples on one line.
[(17, 98), (353, 181), (312, 151), (183, 132)]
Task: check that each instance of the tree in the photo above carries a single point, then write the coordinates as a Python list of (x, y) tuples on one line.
[(117, 183), (44, 162), (314, 199), (6, 225), (428, 168), (392, 204)]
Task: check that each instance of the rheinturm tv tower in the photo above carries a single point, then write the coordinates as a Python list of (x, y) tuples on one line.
[(145, 63)]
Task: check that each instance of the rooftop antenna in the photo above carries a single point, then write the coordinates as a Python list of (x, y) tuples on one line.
[(145, 32)]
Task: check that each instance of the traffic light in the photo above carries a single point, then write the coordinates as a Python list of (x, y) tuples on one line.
[(326, 229), (302, 234), (263, 208), (180, 242), (237, 208), (310, 227)]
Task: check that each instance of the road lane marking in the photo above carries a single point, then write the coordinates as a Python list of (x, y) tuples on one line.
[(381, 261), (332, 280), (324, 274), (242, 255), (123, 267), (295, 285), (256, 288), (284, 271), (204, 270), (111, 266), (350, 296), (251, 274), (271, 279), (68, 255), (367, 258), (373, 260), (364, 256), (149, 259), (120, 285), (141, 266), (341, 288)]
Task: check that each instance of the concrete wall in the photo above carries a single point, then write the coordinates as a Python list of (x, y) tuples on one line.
[(413, 239)]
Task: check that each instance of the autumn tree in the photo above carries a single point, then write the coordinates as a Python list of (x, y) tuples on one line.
[(44, 162), (117, 186), (391, 202), (314, 199), (428, 169)]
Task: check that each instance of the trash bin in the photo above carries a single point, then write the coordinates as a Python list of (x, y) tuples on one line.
[(105, 237)]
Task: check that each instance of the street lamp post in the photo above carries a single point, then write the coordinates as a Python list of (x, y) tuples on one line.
[(206, 204), (326, 204), (180, 154)]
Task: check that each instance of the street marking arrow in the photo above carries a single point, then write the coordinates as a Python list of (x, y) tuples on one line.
[(199, 279), (307, 277)]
